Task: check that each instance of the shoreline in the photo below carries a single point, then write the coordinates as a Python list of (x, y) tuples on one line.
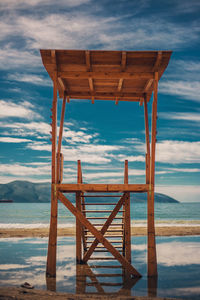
[(135, 231)]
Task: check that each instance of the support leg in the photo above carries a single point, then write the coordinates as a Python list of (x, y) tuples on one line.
[(51, 256), (151, 255), (78, 231)]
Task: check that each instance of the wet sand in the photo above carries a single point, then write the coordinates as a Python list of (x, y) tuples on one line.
[(135, 231), (8, 293)]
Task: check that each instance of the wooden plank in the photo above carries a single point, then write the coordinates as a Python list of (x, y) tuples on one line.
[(123, 63), (87, 60), (106, 75), (104, 228), (147, 141), (91, 85), (127, 220), (158, 62), (148, 85), (120, 84), (103, 187), (126, 172), (105, 95), (61, 125), (51, 255), (62, 84), (152, 259), (78, 231), (98, 235)]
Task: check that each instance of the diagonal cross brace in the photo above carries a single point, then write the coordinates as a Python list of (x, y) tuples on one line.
[(105, 227), (98, 235)]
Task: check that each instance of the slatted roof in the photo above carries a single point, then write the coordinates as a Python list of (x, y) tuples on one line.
[(105, 75)]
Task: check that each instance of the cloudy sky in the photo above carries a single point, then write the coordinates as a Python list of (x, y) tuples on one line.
[(101, 135)]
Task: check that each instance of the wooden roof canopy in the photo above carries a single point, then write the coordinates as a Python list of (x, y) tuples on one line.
[(105, 75)]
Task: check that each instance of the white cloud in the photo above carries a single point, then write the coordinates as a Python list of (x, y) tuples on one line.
[(173, 151), (178, 152), (178, 254), (182, 193), (30, 78), (182, 89), (22, 170), (24, 4), (27, 129), (193, 117), (13, 140), (11, 58), (131, 158), (23, 110), (174, 253)]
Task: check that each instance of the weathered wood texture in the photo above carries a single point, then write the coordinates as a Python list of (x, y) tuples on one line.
[(110, 188), (105, 75), (51, 255)]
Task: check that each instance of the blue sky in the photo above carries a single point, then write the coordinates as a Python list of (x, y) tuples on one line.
[(102, 135)]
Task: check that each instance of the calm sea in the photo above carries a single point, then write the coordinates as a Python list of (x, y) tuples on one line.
[(37, 215)]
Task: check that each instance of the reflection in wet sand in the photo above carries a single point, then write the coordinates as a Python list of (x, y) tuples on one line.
[(93, 279)]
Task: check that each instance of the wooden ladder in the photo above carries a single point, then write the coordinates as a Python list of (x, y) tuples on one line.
[(109, 232)]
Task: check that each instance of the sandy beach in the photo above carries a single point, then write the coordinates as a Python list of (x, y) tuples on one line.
[(8, 293), (135, 231)]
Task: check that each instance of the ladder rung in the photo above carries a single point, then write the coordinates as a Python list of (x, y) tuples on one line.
[(100, 211), (113, 225), (104, 250), (102, 258), (102, 218), (115, 242), (101, 196), (106, 236), (104, 283), (99, 203), (100, 247), (105, 267), (108, 275)]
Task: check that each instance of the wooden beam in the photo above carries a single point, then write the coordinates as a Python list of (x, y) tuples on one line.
[(126, 172), (51, 255), (98, 235), (158, 62), (129, 95), (147, 141), (104, 228), (148, 85), (127, 221), (61, 125), (152, 259), (87, 60), (119, 88), (106, 75), (123, 62), (91, 85), (78, 230), (62, 85), (103, 187)]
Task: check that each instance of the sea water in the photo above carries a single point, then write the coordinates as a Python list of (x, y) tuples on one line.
[(35, 215), (24, 259)]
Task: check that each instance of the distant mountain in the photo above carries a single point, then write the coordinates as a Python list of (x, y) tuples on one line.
[(28, 192)]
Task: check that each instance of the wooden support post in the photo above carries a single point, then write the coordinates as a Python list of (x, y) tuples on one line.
[(51, 256), (127, 217), (152, 259), (59, 155), (147, 140), (78, 224)]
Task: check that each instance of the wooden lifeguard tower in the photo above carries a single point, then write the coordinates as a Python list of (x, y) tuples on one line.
[(103, 75)]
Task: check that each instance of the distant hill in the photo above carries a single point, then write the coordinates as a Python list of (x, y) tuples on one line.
[(29, 192)]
